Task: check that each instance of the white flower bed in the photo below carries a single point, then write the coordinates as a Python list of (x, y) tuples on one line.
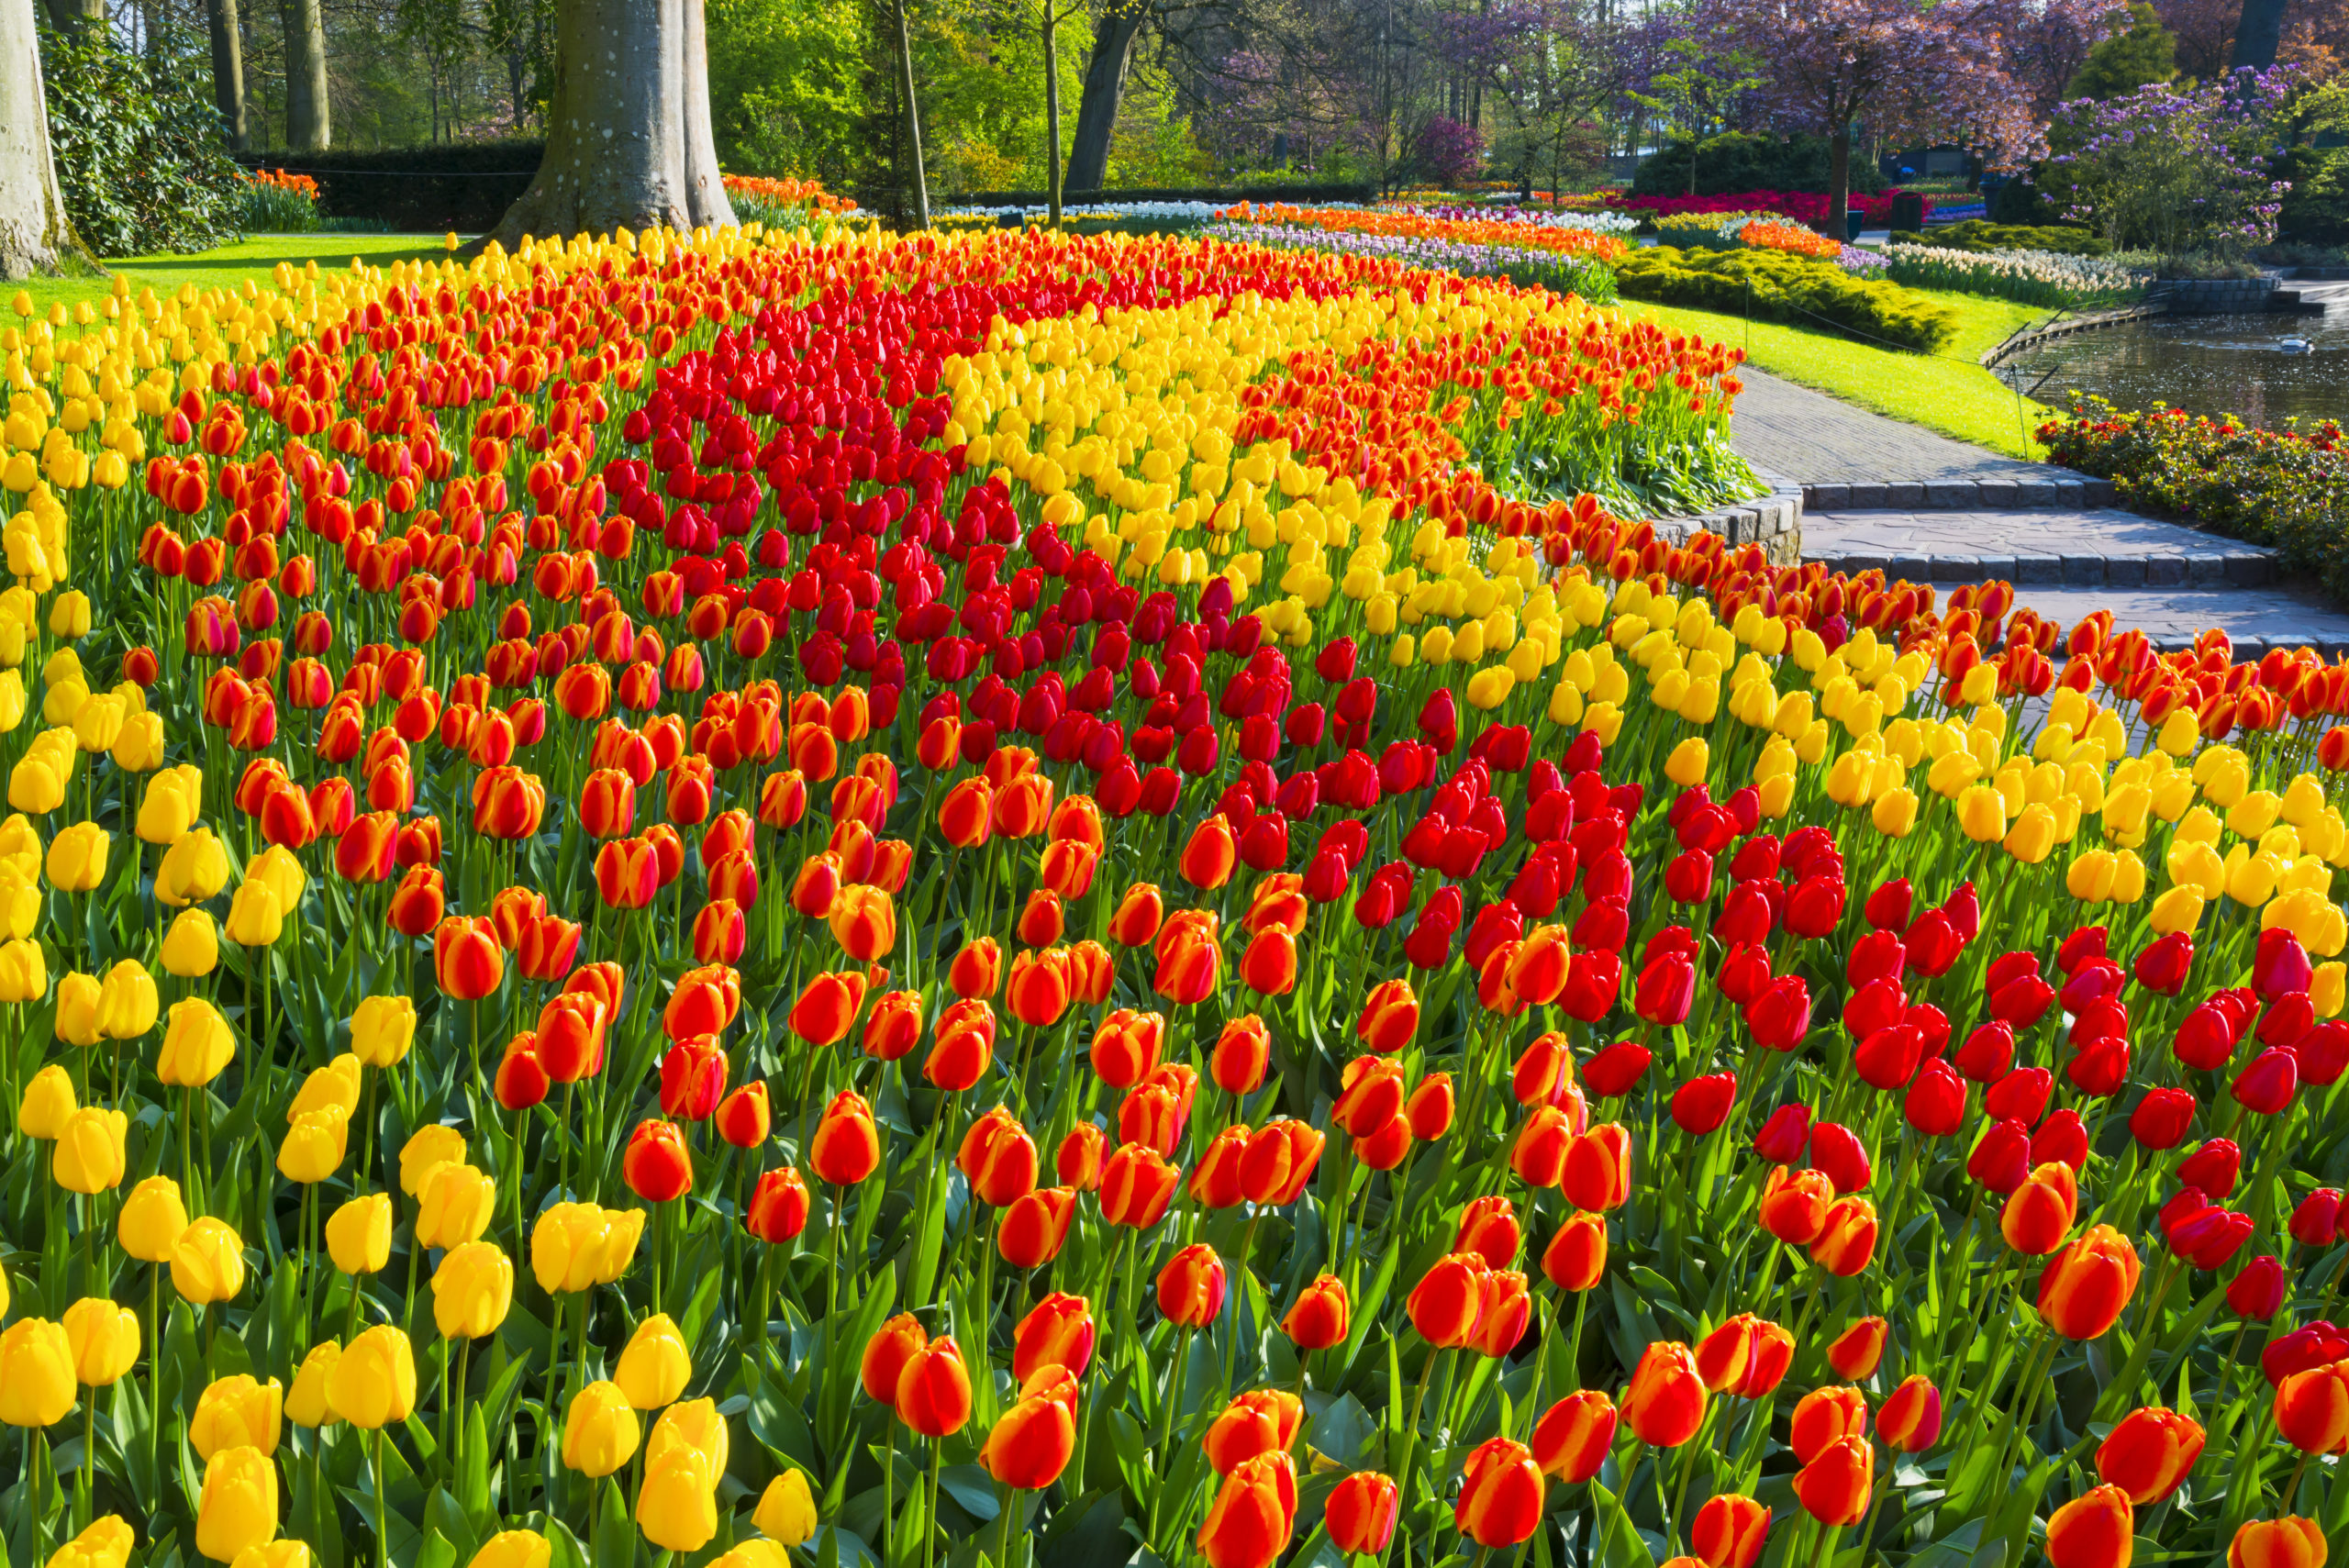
[(2034, 277)]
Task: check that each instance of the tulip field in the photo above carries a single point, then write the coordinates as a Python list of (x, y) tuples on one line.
[(1033, 900)]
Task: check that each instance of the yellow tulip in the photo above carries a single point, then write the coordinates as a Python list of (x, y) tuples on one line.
[(77, 858), (382, 1030), (197, 1045), (128, 1003), (106, 1544), (514, 1549), (599, 1431), (238, 1509), (255, 919), (359, 1234), (315, 1145), (191, 945), (373, 1384), (37, 1387), (676, 1508), (24, 974), (237, 1412), (193, 869), (153, 1220), (654, 1366), (90, 1156), (1981, 814), (472, 1291), (207, 1262), (77, 1009), (105, 1340), (305, 1403), (2176, 909), (454, 1206), (787, 1511), (47, 1106), (431, 1145)]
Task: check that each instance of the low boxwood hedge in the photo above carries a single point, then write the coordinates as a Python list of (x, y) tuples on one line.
[(1777, 285), (1976, 234)]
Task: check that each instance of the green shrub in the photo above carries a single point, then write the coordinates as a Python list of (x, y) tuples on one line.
[(140, 160), (1777, 285), (2288, 488), (1735, 161), (1976, 235)]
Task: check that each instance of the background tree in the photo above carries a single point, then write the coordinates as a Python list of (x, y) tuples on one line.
[(1694, 94), (628, 141), (35, 233), (308, 119), (227, 69), (2146, 51)]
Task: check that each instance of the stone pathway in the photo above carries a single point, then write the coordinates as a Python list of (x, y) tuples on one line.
[(2097, 548), (1819, 440)]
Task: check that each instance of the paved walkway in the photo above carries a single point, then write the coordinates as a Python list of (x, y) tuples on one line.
[(2038, 547), (2254, 619), (1817, 440)]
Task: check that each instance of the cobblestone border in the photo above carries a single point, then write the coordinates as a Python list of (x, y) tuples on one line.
[(2242, 569), (2078, 493), (1773, 521)]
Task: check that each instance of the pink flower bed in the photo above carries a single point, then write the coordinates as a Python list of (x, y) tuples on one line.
[(1803, 206)]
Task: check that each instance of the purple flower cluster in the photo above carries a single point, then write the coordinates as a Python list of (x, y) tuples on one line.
[(2173, 170)]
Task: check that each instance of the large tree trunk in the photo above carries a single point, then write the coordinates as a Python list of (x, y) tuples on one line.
[(1105, 82), (912, 127), (628, 141), (73, 16), (307, 126), (228, 69), (2258, 34), (34, 229), (1832, 223)]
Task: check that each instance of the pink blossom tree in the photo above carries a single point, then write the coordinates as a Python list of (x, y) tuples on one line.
[(1932, 70)]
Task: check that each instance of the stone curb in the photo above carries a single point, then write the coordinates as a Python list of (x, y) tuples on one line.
[(2082, 493), (2235, 570), (1773, 521)]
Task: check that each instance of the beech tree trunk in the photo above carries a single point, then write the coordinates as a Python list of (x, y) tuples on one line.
[(1105, 82), (34, 230), (2258, 34), (71, 16), (307, 126), (628, 140), (228, 69)]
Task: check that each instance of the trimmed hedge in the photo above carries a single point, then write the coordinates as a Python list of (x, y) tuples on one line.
[(1778, 286), (464, 186), (1978, 234), (1222, 195), (1738, 160)]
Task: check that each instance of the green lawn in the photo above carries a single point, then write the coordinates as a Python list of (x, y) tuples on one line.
[(255, 257), (1949, 391)]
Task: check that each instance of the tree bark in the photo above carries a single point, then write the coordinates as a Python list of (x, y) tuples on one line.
[(228, 69), (307, 128), (1839, 182), (2258, 35), (1051, 115), (73, 16), (1105, 82), (913, 115), (628, 140), (35, 233)]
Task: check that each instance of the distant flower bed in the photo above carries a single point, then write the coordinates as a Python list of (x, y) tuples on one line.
[(1773, 234), (278, 202), (1582, 276), (1411, 224), (1803, 206), (1164, 212), (2032, 277), (783, 204)]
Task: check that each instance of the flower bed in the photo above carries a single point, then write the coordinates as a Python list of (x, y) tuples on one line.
[(1803, 206), (1768, 234), (783, 204), (1777, 285), (2034, 277), (278, 202), (1976, 235), (1559, 235), (654, 876), (2288, 488)]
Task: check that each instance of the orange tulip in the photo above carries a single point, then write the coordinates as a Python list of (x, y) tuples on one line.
[(1834, 1485), (1500, 1493), (1747, 1356), (1572, 1439), (1058, 1331), (1598, 1170), (966, 815), (1125, 1046), (1824, 1416), (1269, 966), (1729, 1532), (998, 1158), (1263, 1422), (2148, 1453), (977, 969), (1360, 1513), (1253, 1515), (1191, 1286), (864, 922), (2087, 1283), (893, 1346), (1279, 1159), (2095, 1529), (1035, 1227), (1032, 1443), (1576, 1259), (827, 1007), (1449, 1297), (1855, 1352), (846, 1146), (893, 1027), (466, 959), (1208, 859), (1390, 1018), (1847, 1241), (934, 1390), (1794, 1205), (1137, 1184), (2289, 1542), (1666, 1401), (1139, 914), (962, 1046), (1038, 993), (2313, 1408), (1910, 1419), (2039, 1213), (1320, 1315)]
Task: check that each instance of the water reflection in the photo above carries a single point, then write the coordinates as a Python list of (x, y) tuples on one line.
[(2209, 364)]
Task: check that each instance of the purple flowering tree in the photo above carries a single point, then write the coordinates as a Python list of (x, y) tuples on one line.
[(2171, 171), (1931, 71), (1450, 153)]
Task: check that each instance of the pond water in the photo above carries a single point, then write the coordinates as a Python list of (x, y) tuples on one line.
[(2206, 364)]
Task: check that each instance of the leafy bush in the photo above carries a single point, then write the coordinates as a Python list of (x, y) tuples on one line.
[(1780, 286), (1977, 234), (2288, 488), (2316, 165), (2169, 170), (1735, 161), (139, 156)]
